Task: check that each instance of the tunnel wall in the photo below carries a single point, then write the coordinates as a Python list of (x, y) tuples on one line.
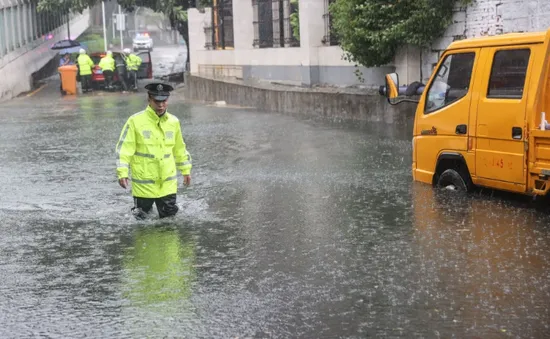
[(347, 104), (17, 68)]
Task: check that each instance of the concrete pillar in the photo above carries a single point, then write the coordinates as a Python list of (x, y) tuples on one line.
[(407, 63), (287, 26), (311, 35), (24, 19), (197, 38), (276, 24), (244, 16), (255, 18), (19, 23)]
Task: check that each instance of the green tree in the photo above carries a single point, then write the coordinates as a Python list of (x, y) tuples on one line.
[(65, 5), (295, 19), (370, 31)]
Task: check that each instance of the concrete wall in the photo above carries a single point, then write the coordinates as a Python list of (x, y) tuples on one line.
[(17, 66), (358, 106), (312, 63), (334, 70)]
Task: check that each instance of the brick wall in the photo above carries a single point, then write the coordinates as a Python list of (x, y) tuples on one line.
[(489, 17)]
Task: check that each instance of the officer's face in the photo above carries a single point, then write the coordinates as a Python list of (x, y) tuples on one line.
[(158, 106)]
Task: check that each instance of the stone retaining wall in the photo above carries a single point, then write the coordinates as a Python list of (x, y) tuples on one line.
[(345, 104)]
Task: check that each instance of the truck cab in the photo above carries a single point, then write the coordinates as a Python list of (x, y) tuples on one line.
[(480, 119)]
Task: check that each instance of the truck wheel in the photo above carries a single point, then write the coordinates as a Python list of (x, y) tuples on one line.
[(453, 180)]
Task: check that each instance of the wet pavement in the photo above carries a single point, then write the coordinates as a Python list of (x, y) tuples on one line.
[(292, 228), (168, 59)]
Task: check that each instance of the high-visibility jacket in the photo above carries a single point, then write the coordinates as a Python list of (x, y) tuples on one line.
[(152, 148), (85, 64), (107, 63), (133, 62)]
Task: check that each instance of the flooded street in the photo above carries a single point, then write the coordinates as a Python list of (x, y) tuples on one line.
[(291, 228)]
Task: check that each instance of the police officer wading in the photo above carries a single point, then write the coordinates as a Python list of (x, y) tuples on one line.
[(107, 65), (132, 66), (85, 64), (152, 148)]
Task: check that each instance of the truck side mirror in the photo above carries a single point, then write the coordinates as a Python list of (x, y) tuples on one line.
[(392, 86), (392, 91)]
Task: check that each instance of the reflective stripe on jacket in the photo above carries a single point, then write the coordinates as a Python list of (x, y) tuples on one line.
[(133, 62), (85, 64), (107, 63), (152, 147)]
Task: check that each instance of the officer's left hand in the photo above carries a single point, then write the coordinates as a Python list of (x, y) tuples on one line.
[(187, 180), (123, 182)]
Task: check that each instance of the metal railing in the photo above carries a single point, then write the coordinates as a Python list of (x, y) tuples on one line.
[(208, 34), (263, 23), (330, 38), (222, 24), (221, 71), (272, 24)]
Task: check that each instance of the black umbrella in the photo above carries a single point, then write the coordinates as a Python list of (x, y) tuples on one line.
[(64, 44)]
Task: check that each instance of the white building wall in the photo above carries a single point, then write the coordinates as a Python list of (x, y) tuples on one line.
[(314, 63), (407, 64), (310, 64), (198, 21)]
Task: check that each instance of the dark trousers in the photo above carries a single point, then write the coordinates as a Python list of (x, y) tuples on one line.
[(132, 79), (120, 70), (108, 78), (86, 81), (166, 206)]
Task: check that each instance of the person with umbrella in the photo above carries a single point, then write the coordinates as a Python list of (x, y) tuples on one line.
[(85, 65), (64, 61)]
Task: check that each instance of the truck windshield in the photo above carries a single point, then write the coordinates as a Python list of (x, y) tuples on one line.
[(452, 81)]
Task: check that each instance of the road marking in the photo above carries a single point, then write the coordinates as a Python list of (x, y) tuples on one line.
[(36, 90)]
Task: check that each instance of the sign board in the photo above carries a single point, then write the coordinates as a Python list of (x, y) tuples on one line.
[(120, 22)]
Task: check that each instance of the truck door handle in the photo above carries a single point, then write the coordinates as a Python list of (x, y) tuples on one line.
[(461, 129), (517, 133)]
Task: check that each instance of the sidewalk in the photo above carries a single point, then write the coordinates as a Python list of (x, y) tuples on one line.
[(49, 89)]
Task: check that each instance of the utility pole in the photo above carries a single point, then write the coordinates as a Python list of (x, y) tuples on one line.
[(68, 27), (104, 26), (121, 26), (136, 19), (68, 23)]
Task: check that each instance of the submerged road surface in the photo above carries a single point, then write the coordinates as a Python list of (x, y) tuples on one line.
[(291, 229)]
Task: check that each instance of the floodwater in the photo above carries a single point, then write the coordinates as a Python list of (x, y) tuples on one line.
[(292, 228)]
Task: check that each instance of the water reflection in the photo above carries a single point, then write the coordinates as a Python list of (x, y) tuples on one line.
[(159, 267), (157, 276), (301, 229), (483, 263)]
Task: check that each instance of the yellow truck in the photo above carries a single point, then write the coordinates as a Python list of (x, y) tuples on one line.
[(481, 117)]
